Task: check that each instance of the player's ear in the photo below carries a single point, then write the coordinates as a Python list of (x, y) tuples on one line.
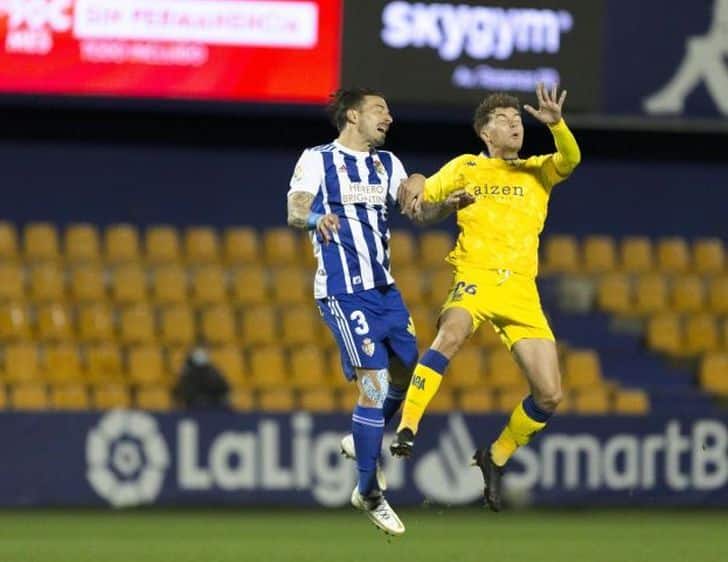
[(484, 136), (352, 116)]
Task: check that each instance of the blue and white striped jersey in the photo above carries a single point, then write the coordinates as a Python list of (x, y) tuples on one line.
[(356, 186)]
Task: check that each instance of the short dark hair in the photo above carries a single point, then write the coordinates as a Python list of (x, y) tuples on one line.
[(343, 100), (484, 111)]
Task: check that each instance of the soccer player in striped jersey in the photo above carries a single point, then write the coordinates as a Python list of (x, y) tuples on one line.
[(495, 262)]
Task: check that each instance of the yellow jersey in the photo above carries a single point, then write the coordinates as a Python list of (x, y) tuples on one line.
[(501, 229)]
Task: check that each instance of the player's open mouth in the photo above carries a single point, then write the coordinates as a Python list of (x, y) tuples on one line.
[(382, 129)]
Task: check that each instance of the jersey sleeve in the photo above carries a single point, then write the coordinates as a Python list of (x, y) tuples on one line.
[(399, 174), (307, 174), (558, 166), (446, 180)]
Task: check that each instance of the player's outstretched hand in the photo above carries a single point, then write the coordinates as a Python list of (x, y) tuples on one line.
[(549, 106), (327, 226), (459, 199), (410, 194)]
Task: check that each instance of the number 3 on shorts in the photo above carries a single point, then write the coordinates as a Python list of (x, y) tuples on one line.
[(361, 322)]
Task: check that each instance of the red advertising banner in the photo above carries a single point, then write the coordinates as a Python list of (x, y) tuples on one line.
[(233, 50)]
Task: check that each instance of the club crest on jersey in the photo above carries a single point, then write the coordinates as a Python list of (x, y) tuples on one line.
[(298, 173), (368, 347), (379, 167)]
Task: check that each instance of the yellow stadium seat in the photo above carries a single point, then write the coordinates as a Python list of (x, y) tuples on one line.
[(249, 285), (21, 363), (177, 325), (477, 401), (688, 294), (11, 282), (201, 245), (54, 322), (155, 398), (82, 243), (122, 244), (561, 254), (14, 321), (169, 284), (336, 378), (593, 402), (402, 248), (632, 402), (301, 324), (673, 255), (162, 245), (466, 368), (724, 332), (701, 334), (441, 283), (425, 320), (502, 369), (40, 242), (664, 333), (175, 358), (8, 241), (146, 365), (443, 402), (4, 400), (713, 374), (241, 246), (95, 323), (308, 260), (487, 336), (600, 254), (129, 284), (280, 246), (708, 256), (582, 369), (217, 325), (29, 396), (268, 367), (718, 295), (209, 285), (69, 397), (88, 283), (650, 294), (110, 396), (614, 294), (291, 285), (321, 400), (47, 282), (307, 367), (137, 324), (637, 255), (434, 247), (62, 364), (276, 400), (242, 400), (232, 364), (259, 325), (410, 282), (507, 398), (104, 364)]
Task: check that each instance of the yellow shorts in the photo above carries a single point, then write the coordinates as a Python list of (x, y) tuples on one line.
[(508, 300)]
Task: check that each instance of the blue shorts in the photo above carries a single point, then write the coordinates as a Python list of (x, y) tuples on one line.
[(370, 327)]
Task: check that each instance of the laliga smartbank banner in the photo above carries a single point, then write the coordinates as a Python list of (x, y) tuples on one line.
[(128, 458), (200, 49), (451, 53)]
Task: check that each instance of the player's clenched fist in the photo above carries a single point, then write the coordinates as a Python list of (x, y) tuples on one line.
[(327, 226)]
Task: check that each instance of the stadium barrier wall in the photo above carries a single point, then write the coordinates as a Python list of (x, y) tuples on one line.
[(131, 458)]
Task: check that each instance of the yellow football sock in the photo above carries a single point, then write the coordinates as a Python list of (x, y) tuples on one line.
[(518, 432), (424, 384)]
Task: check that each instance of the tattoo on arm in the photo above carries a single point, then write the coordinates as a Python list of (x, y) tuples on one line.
[(434, 212), (299, 207)]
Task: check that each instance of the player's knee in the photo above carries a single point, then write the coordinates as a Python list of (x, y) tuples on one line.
[(373, 388), (450, 338), (550, 398)]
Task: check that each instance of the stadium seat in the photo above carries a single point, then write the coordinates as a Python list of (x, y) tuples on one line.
[(718, 295), (425, 321), (11, 282), (40, 242), (301, 325), (506, 399), (466, 368), (613, 293), (162, 245), (54, 322), (636, 254), (217, 325), (688, 294), (410, 283), (169, 284), (88, 283), (321, 400), (69, 397), (582, 369), (291, 285), (201, 245), (137, 325), (713, 374), (82, 243), (486, 336), (29, 396), (600, 254), (110, 396), (434, 247), (664, 333), (8, 242), (477, 401), (592, 402), (673, 255), (708, 256), (268, 367), (4, 400), (632, 402), (21, 363), (62, 364), (441, 283), (276, 400), (650, 294), (443, 402), (561, 254), (280, 246), (95, 322), (502, 369), (104, 364), (47, 283), (177, 325), (121, 244), (249, 285), (701, 334), (14, 321), (209, 285), (146, 365), (724, 333), (307, 367), (242, 400), (259, 325), (231, 363), (402, 248), (129, 284), (308, 260), (240, 246), (336, 378), (156, 399)]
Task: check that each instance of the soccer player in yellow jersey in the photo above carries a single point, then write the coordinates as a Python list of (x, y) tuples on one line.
[(501, 203)]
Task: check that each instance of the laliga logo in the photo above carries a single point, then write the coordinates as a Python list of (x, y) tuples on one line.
[(30, 23), (126, 458)]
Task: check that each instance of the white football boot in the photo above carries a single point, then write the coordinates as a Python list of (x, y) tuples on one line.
[(349, 451), (379, 512)]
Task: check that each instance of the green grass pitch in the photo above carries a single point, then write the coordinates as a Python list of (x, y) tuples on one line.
[(433, 535)]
